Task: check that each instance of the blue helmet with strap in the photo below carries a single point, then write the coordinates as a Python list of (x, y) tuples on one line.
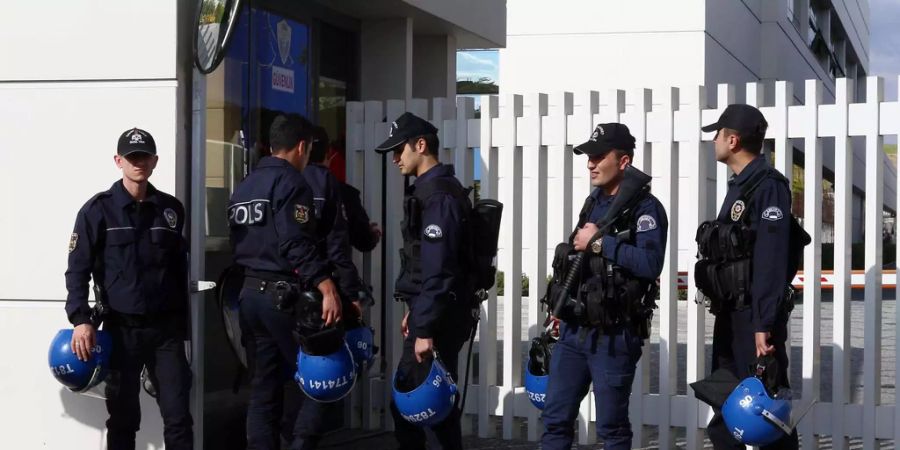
[(326, 371), (537, 368), (754, 417), (536, 385), (430, 402), (77, 375), (361, 341)]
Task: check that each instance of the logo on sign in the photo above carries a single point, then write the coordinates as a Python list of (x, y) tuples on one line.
[(282, 79), (283, 33)]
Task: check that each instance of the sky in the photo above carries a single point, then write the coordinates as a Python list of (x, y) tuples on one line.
[(472, 65), (884, 44)]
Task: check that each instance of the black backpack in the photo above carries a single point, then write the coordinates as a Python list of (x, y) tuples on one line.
[(482, 229)]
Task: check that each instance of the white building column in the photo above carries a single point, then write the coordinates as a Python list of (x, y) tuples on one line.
[(386, 49), (435, 66)]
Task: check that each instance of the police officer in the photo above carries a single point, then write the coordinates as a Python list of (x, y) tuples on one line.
[(128, 239), (433, 281), (273, 232), (334, 245), (752, 321), (600, 341), (331, 213), (364, 234)]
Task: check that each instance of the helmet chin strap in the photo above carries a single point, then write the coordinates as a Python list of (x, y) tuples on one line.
[(778, 423)]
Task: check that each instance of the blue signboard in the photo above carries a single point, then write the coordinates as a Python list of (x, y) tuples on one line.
[(278, 55)]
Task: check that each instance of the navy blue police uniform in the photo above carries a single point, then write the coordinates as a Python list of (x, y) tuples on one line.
[(433, 281), (273, 233), (134, 251), (605, 356), (767, 212), (333, 232), (362, 237), (334, 246)]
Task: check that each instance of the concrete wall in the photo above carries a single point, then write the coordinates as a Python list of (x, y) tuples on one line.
[(434, 66), (589, 44), (76, 76), (483, 18), (386, 66)]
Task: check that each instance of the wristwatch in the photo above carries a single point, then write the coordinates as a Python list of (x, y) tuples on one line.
[(597, 246)]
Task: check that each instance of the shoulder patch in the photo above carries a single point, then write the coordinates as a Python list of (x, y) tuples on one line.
[(646, 223), (773, 213), (433, 232), (73, 242), (737, 210), (301, 213), (171, 217)]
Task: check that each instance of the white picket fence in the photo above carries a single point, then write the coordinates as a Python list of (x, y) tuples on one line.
[(526, 161)]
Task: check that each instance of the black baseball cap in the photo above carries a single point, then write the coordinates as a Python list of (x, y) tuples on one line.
[(406, 127), (744, 119), (606, 137), (136, 140)]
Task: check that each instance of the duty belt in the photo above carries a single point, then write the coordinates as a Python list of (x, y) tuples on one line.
[(269, 286)]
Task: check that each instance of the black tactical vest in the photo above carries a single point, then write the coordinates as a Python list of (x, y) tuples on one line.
[(610, 297), (409, 283), (725, 250)]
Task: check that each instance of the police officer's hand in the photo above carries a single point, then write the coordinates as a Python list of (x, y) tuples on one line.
[(763, 347), (331, 302), (404, 325), (83, 340), (424, 348), (375, 231), (584, 235), (553, 328)]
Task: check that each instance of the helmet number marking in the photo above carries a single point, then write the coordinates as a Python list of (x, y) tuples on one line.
[(62, 369)]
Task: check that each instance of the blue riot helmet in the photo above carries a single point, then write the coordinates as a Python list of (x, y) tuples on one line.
[(431, 401), (361, 341), (537, 368), (326, 371), (91, 377), (536, 385), (754, 417)]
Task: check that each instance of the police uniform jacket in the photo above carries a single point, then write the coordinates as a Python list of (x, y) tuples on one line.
[(443, 275), (768, 212), (643, 256), (332, 230), (273, 227), (134, 250)]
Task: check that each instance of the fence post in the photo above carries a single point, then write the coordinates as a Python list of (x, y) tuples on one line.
[(874, 206), (843, 213), (725, 98), (511, 189), (487, 342), (693, 153), (812, 254), (373, 116), (534, 164), (665, 186)]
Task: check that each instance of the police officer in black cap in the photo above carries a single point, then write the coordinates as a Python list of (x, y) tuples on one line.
[(128, 240), (274, 234), (600, 337), (747, 282), (330, 209), (433, 281)]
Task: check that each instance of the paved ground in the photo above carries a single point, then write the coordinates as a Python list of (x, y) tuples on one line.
[(356, 439)]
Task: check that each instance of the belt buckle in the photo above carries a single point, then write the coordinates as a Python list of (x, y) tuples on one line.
[(282, 285)]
